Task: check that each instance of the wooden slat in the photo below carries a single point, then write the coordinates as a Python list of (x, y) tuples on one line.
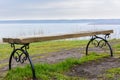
[(47, 38)]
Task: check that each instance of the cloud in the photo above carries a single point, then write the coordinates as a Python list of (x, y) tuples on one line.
[(62, 9)]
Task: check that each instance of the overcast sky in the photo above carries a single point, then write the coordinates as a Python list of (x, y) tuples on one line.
[(59, 9)]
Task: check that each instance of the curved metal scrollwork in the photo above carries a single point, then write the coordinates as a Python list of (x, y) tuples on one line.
[(21, 55), (99, 43)]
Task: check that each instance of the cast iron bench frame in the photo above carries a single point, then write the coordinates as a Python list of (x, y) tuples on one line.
[(26, 41)]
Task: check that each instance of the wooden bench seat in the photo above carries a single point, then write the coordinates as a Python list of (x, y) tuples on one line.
[(54, 37)]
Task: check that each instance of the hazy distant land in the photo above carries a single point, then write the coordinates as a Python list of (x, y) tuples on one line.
[(89, 21)]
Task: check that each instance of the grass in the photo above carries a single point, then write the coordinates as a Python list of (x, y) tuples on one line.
[(43, 47), (4, 51), (113, 74), (52, 71), (53, 46), (47, 71), (116, 47), (40, 48)]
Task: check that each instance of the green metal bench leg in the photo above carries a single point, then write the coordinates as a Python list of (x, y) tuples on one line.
[(101, 43), (21, 55)]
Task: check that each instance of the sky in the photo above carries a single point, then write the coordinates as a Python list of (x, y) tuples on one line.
[(59, 9)]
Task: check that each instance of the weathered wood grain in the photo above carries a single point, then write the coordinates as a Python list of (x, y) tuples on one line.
[(55, 37)]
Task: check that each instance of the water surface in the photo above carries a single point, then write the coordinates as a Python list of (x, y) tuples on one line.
[(18, 30)]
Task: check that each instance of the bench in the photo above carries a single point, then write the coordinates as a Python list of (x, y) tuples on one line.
[(25, 41)]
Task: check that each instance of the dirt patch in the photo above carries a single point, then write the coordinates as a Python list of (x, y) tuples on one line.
[(94, 70), (60, 56)]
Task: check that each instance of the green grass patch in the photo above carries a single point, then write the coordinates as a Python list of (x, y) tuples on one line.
[(113, 74), (5, 51), (43, 47), (47, 71), (53, 46)]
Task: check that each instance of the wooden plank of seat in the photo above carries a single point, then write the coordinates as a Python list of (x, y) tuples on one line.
[(56, 37)]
